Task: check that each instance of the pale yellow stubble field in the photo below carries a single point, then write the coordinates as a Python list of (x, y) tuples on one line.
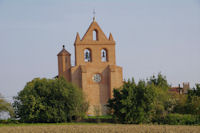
[(99, 128)]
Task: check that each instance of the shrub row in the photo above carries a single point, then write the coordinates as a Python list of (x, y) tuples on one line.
[(178, 119), (170, 119), (99, 119), (9, 121)]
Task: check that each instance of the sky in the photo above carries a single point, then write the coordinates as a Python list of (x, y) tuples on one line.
[(151, 37)]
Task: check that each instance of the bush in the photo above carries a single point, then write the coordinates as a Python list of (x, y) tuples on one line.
[(49, 100), (178, 119), (99, 119), (9, 121), (193, 101)]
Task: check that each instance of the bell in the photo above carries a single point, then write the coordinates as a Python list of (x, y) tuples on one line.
[(103, 54), (86, 55)]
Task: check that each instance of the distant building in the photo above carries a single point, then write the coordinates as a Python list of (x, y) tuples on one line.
[(181, 90)]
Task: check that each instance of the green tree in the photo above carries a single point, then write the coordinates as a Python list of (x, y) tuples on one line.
[(181, 102), (133, 103), (194, 91), (5, 106), (160, 81), (193, 105), (142, 102), (193, 101), (165, 102), (49, 100)]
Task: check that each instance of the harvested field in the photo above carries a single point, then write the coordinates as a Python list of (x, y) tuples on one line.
[(97, 128)]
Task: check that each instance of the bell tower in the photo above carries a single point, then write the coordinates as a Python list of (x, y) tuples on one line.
[(92, 43), (64, 64), (95, 70)]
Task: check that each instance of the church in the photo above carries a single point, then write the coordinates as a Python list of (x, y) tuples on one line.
[(95, 70)]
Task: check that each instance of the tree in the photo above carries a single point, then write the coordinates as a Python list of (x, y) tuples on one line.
[(165, 102), (5, 106), (193, 101), (133, 103), (194, 91), (181, 102), (142, 102), (49, 100), (160, 81), (193, 105)]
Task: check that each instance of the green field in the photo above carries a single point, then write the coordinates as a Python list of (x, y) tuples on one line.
[(95, 128)]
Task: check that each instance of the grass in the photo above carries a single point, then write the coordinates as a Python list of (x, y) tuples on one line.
[(101, 117), (95, 128)]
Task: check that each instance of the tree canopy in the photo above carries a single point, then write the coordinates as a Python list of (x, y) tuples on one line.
[(133, 103), (192, 105), (140, 103), (49, 100)]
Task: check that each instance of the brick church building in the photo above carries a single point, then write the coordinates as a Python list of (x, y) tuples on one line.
[(95, 69)]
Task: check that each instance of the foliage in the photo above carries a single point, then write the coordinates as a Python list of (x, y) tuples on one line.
[(195, 91), (180, 119), (192, 105), (188, 104), (49, 100), (165, 102), (97, 113), (142, 102), (181, 101), (9, 121), (133, 103), (101, 117), (159, 81), (5, 106), (98, 119)]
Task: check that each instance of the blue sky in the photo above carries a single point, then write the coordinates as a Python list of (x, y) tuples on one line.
[(151, 36)]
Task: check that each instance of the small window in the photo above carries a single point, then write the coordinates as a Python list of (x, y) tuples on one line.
[(95, 35), (87, 55), (104, 55)]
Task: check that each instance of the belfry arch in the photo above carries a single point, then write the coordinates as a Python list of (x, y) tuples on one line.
[(104, 55), (95, 35), (87, 55)]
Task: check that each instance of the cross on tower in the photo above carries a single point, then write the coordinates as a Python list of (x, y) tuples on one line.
[(94, 15)]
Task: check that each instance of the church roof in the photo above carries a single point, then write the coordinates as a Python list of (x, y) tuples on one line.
[(63, 52)]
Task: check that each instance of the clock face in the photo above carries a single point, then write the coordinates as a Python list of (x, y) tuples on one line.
[(96, 78)]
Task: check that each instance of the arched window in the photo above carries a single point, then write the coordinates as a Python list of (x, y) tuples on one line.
[(104, 55), (87, 55), (95, 35)]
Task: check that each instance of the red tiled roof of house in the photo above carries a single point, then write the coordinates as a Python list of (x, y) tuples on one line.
[(175, 89)]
